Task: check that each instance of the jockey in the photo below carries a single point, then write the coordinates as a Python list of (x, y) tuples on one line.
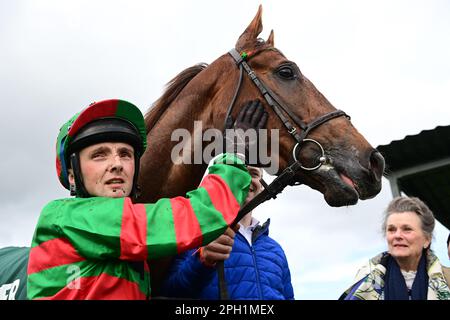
[(95, 245)]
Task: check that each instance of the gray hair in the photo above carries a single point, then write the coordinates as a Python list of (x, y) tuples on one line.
[(411, 204)]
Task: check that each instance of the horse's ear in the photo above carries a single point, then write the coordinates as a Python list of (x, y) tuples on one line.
[(252, 32), (270, 40)]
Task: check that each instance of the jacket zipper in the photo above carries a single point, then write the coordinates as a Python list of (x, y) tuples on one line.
[(255, 236), (258, 280)]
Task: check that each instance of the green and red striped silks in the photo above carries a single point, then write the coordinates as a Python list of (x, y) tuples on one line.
[(84, 248)]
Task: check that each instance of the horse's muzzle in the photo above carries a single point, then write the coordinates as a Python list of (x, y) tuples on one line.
[(376, 163)]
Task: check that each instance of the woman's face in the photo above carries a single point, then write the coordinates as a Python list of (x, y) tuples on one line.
[(405, 236)]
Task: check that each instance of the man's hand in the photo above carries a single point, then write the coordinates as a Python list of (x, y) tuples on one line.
[(243, 138), (219, 249)]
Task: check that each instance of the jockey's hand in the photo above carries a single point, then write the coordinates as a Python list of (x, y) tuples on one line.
[(218, 250), (244, 135)]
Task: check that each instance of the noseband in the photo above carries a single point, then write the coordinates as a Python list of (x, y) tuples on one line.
[(287, 176)]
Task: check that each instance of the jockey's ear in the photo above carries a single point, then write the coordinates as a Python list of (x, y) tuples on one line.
[(72, 185), (252, 32), (71, 177), (270, 40)]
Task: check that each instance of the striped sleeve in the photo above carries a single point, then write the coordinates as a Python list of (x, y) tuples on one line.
[(105, 228), (201, 216)]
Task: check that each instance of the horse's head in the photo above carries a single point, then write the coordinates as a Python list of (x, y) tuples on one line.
[(352, 168)]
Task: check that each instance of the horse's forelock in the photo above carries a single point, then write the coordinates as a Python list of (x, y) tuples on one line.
[(173, 89)]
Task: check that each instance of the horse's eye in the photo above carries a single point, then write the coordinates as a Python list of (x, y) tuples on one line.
[(286, 72)]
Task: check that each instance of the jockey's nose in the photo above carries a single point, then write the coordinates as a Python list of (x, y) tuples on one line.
[(116, 163), (376, 163)]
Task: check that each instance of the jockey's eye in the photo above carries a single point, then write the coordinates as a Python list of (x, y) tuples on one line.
[(287, 72)]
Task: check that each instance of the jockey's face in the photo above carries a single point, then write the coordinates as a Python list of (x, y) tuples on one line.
[(255, 185), (107, 169)]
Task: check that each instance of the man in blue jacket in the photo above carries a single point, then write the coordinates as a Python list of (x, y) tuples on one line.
[(256, 267)]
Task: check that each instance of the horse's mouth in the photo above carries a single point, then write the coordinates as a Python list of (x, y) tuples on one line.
[(349, 182), (344, 190), (338, 188)]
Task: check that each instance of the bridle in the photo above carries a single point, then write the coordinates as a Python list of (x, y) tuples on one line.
[(286, 177), (278, 107)]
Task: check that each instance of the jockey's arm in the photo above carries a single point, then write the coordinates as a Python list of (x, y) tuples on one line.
[(104, 228)]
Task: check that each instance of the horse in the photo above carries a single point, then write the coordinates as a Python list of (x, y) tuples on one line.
[(349, 168), (331, 155)]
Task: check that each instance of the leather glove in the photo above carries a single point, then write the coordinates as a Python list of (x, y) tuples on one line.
[(244, 135)]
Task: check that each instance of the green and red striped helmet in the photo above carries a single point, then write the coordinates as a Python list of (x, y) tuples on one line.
[(106, 109)]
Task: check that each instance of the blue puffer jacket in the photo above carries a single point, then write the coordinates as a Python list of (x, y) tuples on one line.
[(258, 272)]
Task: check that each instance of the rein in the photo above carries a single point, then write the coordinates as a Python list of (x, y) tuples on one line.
[(287, 175)]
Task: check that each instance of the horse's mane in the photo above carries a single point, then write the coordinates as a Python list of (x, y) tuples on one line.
[(173, 89)]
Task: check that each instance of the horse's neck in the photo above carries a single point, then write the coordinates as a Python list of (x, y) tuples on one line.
[(160, 176)]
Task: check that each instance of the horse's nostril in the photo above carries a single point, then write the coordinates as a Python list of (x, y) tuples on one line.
[(377, 164)]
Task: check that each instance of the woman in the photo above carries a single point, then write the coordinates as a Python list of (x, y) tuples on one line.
[(409, 270)]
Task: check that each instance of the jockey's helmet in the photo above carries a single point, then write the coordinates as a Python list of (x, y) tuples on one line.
[(104, 121)]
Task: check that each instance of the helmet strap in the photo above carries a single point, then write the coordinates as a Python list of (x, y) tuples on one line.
[(80, 190), (136, 189), (73, 190)]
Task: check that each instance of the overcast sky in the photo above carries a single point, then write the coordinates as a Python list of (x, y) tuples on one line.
[(386, 63)]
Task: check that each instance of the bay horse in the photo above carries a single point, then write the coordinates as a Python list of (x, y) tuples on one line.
[(350, 168)]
